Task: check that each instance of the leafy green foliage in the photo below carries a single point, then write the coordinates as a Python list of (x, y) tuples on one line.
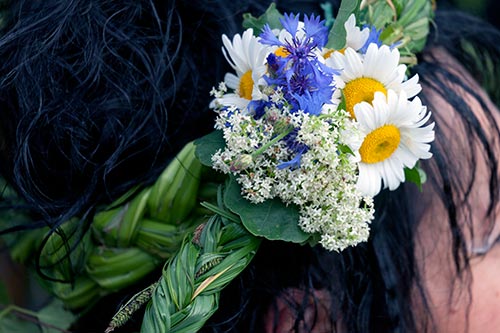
[(56, 316), (271, 16), (337, 36), (406, 23), (53, 318), (188, 292), (4, 295), (271, 219), (12, 324), (416, 175), (207, 145)]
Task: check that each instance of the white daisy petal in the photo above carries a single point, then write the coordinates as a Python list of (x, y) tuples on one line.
[(247, 56), (363, 75), (231, 80), (411, 86), (365, 116), (369, 181), (355, 37), (406, 156), (353, 65)]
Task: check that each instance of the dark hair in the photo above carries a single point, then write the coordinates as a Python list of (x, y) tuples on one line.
[(98, 96), (95, 99)]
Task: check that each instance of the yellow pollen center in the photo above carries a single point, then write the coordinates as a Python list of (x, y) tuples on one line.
[(380, 144), (359, 90), (327, 54), (246, 85), (281, 52)]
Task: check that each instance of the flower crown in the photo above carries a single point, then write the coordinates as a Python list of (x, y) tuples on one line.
[(316, 118), (319, 125)]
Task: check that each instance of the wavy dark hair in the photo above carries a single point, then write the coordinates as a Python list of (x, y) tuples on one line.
[(97, 97), (94, 99)]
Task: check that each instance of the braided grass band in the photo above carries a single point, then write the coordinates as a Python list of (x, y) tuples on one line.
[(188, 292), (128, 240)]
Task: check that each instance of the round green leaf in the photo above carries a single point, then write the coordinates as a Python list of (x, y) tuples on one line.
[(208, 145), (271, 219)]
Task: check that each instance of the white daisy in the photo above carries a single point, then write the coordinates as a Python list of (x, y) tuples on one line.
[(355, 37), (361, 76), (247, 57), (394, 138)]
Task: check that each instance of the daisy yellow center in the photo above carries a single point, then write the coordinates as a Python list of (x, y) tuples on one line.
[(246, 85), (327, 54), (380, 144), (282, 52), (360, 90)]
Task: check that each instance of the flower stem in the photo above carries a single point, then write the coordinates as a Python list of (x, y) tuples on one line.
[(272, 142)]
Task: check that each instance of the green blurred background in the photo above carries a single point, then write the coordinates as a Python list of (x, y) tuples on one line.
[(487, 9)]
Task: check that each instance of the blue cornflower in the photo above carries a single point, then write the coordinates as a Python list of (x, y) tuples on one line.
[(373, 37), (290, 23), (230, 113), (315, 34), (316, 30), (310, 103), (312, 85), (298, 147), (277, 69), (298, 71), (258, 108), (294, 163)]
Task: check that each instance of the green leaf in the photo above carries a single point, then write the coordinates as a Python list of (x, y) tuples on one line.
[(378, 14), (416, 175), (411, 26), (328, 14), (4, 295), (208, 145), (271, 219), (271, 16), (337, 36), (55, 316), (345, 149), (12, 324)]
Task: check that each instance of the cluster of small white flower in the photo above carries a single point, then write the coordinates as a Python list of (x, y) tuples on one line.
[(324, 187)]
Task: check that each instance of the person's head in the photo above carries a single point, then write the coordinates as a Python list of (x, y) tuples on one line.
[(457, 235), (99, 96)]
